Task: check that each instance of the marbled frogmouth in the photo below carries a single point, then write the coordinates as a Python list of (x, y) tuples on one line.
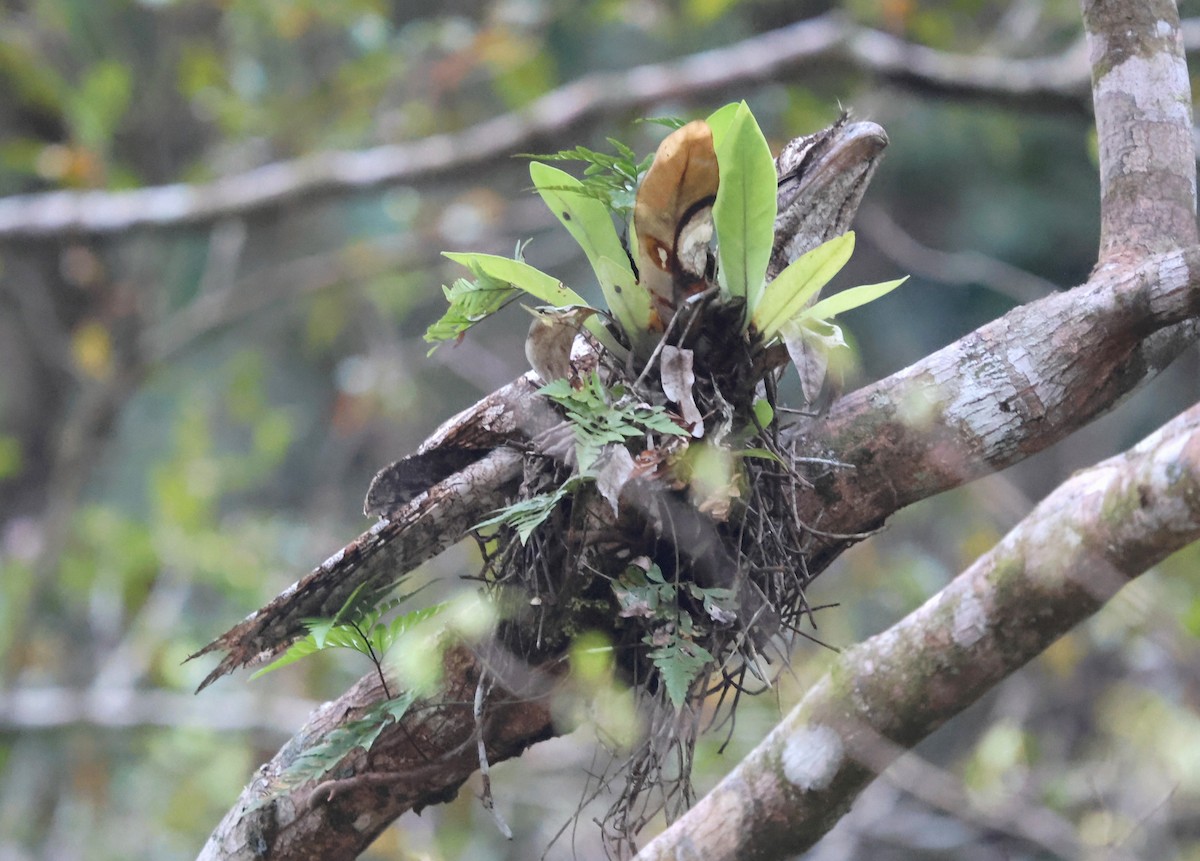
[(821, 180)]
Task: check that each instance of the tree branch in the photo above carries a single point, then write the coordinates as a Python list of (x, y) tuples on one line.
[(996, 396), (1054, 83), (29, 708), (999, 394), (1143, 105), (421, 760), (1102, 527), (898, 461)]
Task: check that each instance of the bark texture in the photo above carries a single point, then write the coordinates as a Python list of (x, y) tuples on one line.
[(1008, 390), (1084, 542)]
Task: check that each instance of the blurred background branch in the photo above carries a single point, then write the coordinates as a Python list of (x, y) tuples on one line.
[(190, 413), (1053, 83)]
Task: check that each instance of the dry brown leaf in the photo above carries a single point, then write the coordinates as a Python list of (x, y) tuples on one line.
[(672, 216), (675, 366), (617, 469)]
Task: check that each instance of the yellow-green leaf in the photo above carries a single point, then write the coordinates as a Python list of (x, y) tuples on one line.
[(585, 217), (519, 274), (629, 303), (797, 285), (536, 283), (589, 221), (719, 121), (852, 298)]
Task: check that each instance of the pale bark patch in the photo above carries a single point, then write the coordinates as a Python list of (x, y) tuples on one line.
[(970, 621), (812, 757)]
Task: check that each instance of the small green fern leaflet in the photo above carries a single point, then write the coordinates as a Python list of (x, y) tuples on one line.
[(527, 515), (363, 631), (601, 417), (643, 591), (610, 179), (680, 662), (471, 301), (317, 761)]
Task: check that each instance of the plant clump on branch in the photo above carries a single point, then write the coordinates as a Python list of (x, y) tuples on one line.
[(661, 510), (656, 519)]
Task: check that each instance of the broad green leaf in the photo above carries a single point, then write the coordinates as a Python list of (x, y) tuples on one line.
[(589, 221), (586, 218), (764, 412), (519, 274), (744, 212), (719, 121), (536, 283), (790, 293), (629, 303), (852, 298)]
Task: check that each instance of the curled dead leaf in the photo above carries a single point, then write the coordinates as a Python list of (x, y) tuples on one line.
[(617, 468), (675, 366), (672, 216)]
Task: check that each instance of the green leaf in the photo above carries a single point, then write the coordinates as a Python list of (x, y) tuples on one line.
[(762, 453), (528, 514), (610, 179), (590, 222), (797, 285), (851, 298), (358, 616), (323, 756), (628, 302), (744, 212), (680, 663), (656, 419), (299, 649), (586, 218), (536, 283), (520, 275), (718, 121), (559, 390), (669, 122), (764, 412), (470, 302), (383, 636)]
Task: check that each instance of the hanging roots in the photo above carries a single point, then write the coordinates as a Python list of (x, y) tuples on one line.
[(699, 585)]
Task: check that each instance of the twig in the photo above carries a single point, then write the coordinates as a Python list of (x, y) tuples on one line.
[(481, 691), (949, 267)]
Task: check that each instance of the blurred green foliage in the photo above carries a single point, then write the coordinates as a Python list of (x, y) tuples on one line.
[(257, 373)]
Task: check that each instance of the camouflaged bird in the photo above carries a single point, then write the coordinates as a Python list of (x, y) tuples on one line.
[(433, 497)]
